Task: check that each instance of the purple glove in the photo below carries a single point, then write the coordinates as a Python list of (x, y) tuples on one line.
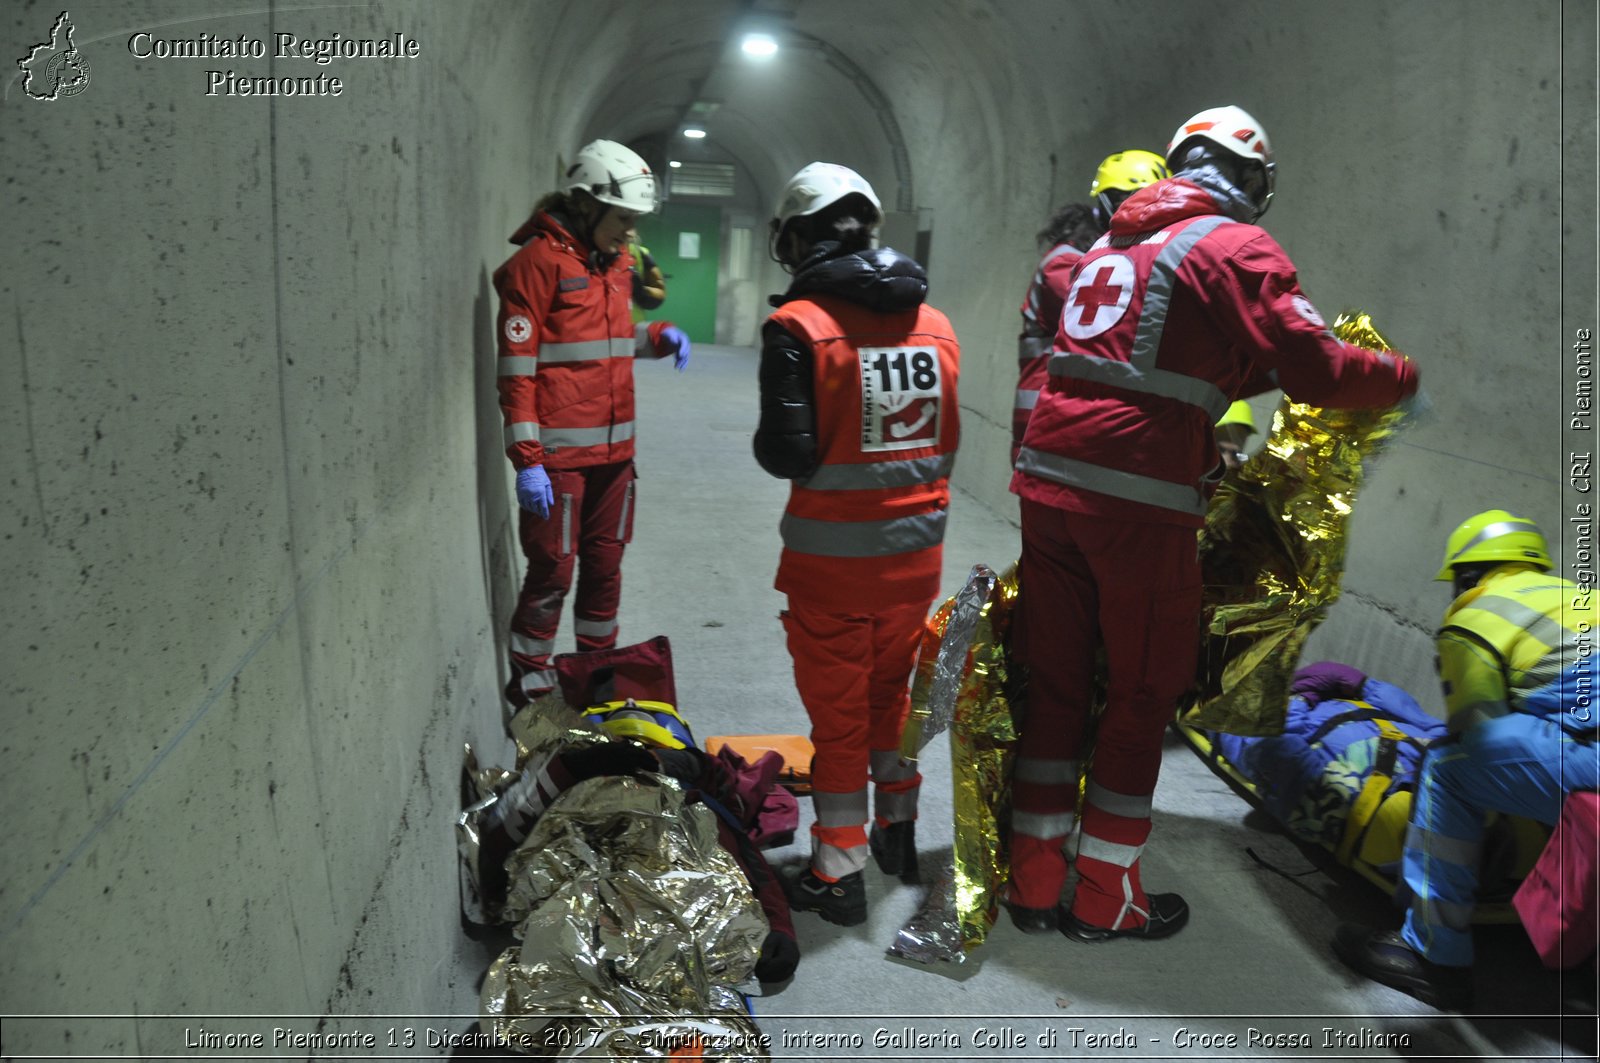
[(534, 492), (675, 341), (1327, 679)]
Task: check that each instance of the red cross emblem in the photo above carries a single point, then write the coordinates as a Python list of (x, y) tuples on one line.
[(1099, 296), (518, 329)]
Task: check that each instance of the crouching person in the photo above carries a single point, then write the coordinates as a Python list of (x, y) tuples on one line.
[(1522, 732)]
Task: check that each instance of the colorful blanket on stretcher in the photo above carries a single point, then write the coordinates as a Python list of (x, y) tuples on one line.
[(1343, 772)]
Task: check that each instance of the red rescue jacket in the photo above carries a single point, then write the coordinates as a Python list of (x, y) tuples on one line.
[(1041, 314), (567, 343), (1172, 315), (865, 530)]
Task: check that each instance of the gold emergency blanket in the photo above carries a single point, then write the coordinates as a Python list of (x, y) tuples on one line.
[(964, 680), (1272, 555), (634, 923), (1272, 552)]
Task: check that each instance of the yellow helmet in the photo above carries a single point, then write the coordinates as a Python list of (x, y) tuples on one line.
[(1239, 413), (1127, 171), (1494, 536)]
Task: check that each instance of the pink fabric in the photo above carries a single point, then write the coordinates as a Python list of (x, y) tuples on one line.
[(1559, 899)]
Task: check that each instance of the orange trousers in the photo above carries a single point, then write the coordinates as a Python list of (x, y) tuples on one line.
[(853, 673)]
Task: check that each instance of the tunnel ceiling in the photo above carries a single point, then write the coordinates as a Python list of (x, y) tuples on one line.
[(773, 116)]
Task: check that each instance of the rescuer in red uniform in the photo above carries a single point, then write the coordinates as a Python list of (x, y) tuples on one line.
[(859, 411), (567, 345), (1184, 306)]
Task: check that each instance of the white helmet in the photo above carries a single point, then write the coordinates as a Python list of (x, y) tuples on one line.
[(613, 174), (819, 185), (1232, 129)]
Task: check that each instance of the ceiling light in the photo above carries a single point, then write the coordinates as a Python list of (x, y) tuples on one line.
[(759, 45), (674, 163), (694, 133)]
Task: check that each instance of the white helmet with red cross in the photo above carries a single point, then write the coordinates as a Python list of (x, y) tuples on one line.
[(1242, 139)]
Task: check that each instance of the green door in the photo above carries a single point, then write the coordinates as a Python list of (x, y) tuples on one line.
[(685, 239)]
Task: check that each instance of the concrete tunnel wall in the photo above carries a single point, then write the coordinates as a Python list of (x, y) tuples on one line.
[(257, 541)]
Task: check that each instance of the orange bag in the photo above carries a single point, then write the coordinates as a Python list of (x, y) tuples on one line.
[(796, 751)]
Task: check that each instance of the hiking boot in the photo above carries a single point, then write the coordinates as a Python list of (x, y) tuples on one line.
[(1386, 957), (1168, 913), (843, 902), (894, 847), (1034, 920)]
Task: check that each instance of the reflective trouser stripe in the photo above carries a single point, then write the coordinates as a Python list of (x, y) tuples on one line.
[(586, 350), (1029, 769), (1027, 399), (531, 647), (566, 524), (594, 628), (537, 682), (1114, 482), (871, 475), (868, 538), (1046, 826), (895, 786), (1129, 806), (1109, 852), (627, 507), (839, 835)]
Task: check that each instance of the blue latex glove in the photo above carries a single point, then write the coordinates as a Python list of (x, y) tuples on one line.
[(534, 491), (675, 341)]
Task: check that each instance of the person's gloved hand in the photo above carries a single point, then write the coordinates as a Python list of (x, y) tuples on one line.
[(534, 492), (675, 341)]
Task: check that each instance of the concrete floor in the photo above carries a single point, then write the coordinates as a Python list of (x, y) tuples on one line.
[(1255, 955)]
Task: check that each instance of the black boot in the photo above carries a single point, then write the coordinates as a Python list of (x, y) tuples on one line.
[(1387, 958), (1168, 914), (894, 847), (843, 902)]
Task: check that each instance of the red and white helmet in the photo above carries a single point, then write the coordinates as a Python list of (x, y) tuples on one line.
[(613, 174), (1232, 129)]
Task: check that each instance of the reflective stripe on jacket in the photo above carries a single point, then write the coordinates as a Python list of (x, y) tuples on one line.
[(866, 529), (1518, 631), (1170, 317), (566, 347)]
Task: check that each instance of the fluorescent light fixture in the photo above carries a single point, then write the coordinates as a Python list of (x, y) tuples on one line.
[(759, 45), (674, 163), (694, 133)]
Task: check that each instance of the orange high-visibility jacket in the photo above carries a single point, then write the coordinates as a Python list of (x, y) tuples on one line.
[(866, 529), (567, 343)]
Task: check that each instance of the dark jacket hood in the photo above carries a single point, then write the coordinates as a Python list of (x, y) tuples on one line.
[(879, 278), (1159, 205)]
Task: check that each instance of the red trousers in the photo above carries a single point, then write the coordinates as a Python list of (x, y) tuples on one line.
[(1134, 588), (853, 673), (590, 522)]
